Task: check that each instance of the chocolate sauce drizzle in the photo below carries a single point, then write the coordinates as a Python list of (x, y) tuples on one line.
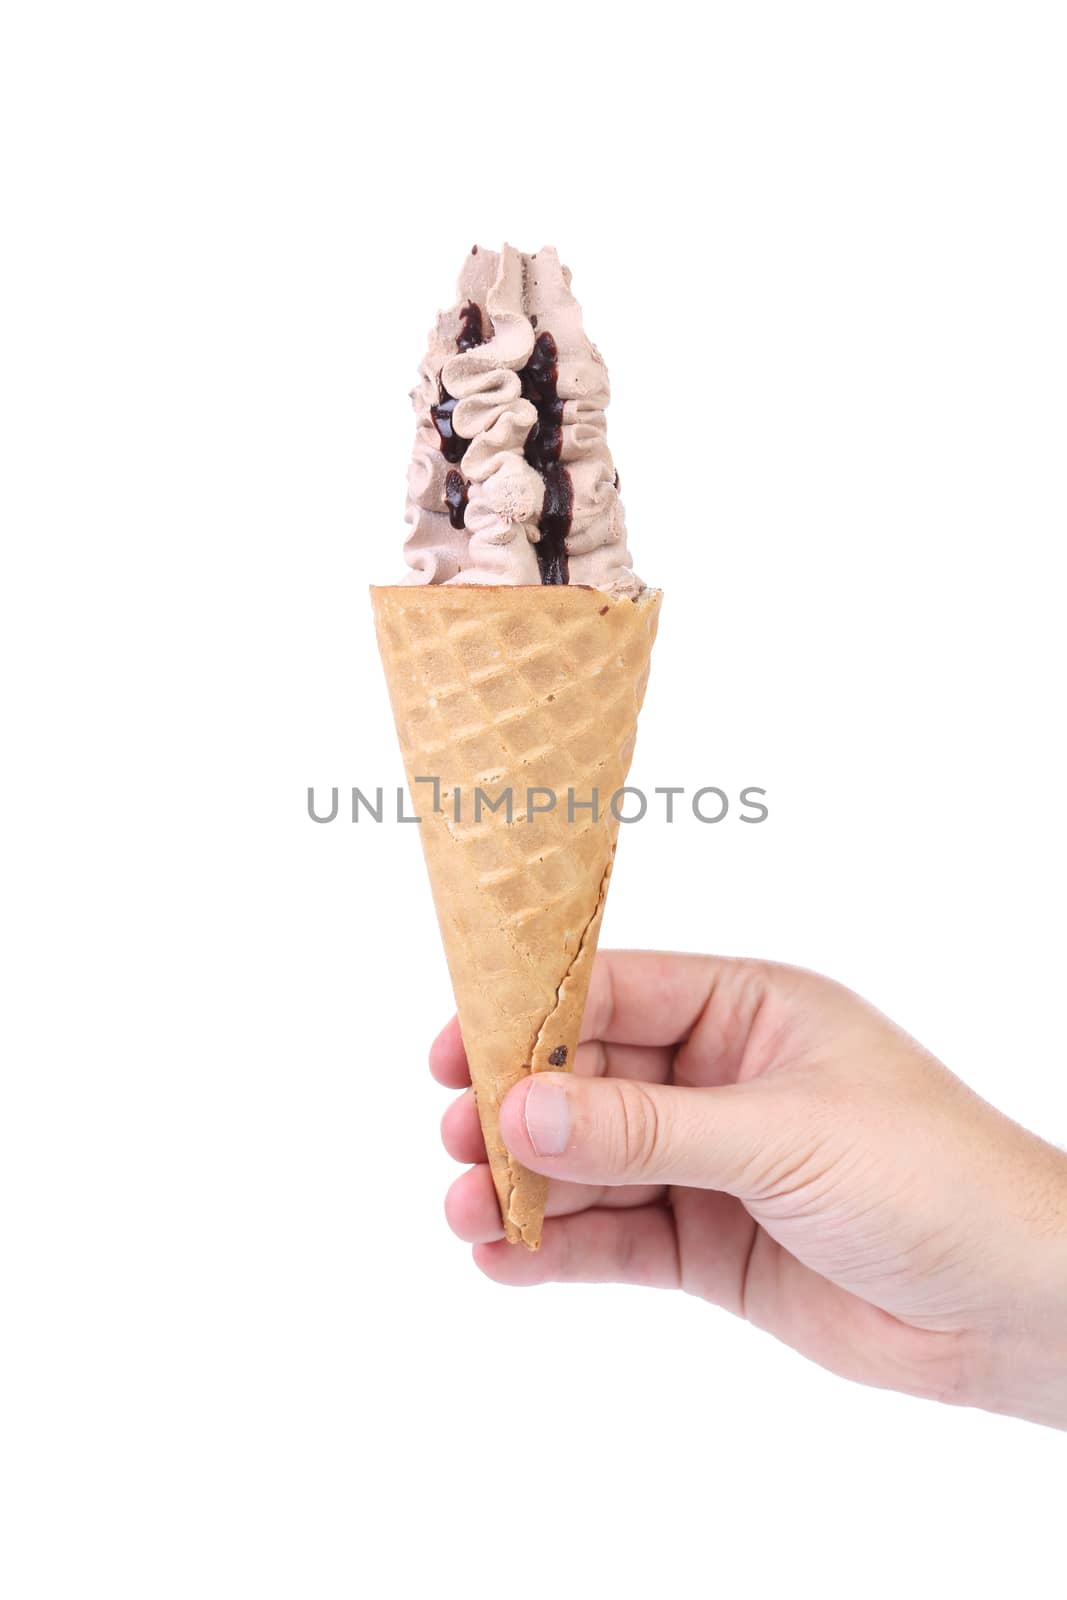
[(544, 444), (452, 445), (470, 334), (456, 487), (540, 379)]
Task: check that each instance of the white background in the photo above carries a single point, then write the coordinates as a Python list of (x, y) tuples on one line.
[(823, 249)]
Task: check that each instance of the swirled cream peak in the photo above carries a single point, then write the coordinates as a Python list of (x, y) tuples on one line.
[(511, 478)]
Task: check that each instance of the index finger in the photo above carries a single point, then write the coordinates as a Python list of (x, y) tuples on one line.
[(638, 997), (448, 1059), (653, 997)]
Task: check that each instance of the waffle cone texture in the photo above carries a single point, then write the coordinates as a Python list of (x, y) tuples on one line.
[(516, 690)]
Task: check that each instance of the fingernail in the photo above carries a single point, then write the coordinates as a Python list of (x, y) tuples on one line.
[(548, 1118)]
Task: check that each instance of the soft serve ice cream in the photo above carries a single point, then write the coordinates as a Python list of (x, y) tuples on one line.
[(512, 481)]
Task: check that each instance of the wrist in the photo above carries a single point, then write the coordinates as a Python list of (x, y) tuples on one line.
[(1018, 1364)]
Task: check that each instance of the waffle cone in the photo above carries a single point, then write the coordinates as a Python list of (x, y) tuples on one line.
[(516, 689)]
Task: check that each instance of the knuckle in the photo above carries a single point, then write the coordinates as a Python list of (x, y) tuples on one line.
[(798, 1165), (640, 1131)]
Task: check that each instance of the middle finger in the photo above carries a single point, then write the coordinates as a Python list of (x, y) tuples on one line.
[(473, 1211)]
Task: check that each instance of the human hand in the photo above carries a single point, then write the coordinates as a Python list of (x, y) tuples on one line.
[(761, 1137)]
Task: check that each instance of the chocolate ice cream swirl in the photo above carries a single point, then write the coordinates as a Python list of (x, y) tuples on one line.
[(525, 439)]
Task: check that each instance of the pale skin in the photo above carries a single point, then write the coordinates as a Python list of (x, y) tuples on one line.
[(761, 1137)]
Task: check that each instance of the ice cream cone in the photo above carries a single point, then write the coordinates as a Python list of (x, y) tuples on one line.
[(531, 692)]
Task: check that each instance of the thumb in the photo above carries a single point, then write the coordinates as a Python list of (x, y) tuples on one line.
[(616, 1131)]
